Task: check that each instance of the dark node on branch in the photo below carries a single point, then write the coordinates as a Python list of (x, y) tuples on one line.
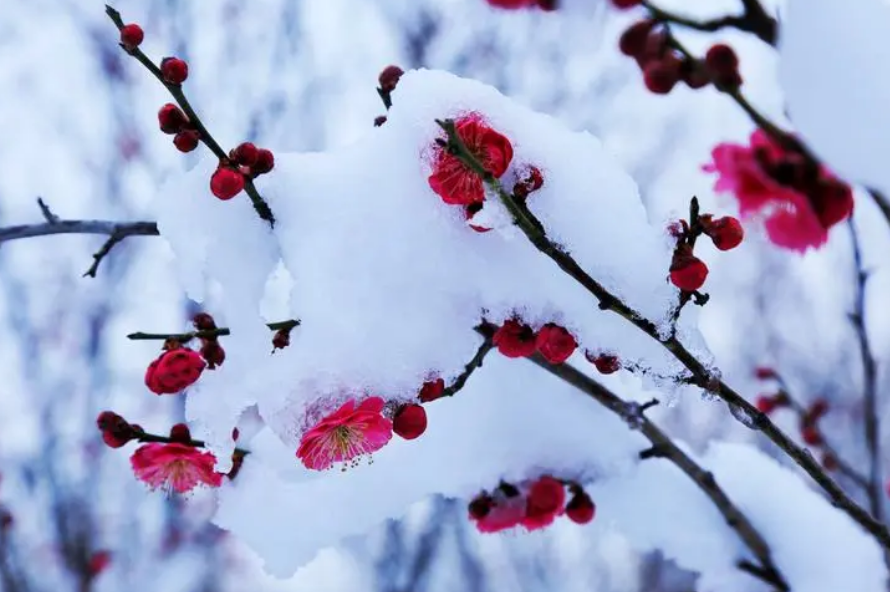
[(653, 452)]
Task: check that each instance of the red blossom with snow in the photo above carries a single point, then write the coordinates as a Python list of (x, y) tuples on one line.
[(431, 390), (452, 180), (515, 339), (174, 370), (497, 513), (346, 434), (798, 202), (175, 467), (555, 343), (546, 500)]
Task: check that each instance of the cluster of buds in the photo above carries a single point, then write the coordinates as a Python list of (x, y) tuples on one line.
[(211, 350), (687, 271), (664, 66), (533, 505), (246, 161), (516, 339)]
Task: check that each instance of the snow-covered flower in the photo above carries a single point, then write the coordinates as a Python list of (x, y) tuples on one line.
[(452, 180)]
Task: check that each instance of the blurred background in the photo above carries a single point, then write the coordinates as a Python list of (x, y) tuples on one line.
[(80, 129)]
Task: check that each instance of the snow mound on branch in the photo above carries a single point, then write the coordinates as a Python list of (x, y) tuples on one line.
[(832, 57), (390, 281)]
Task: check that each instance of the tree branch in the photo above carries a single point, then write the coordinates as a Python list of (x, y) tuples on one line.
[(754, 20), (115, 231), (186, 337), (869, 379), (473, 365), (259, 204), (702, 377), (665, 448)]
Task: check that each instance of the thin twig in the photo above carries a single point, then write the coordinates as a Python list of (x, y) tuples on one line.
[(754, 20), (186, 337), (259, 204), (473, 365), (116, 232), (665, 448), (869, 378), (146, 438), (703, 377), (47, 213)]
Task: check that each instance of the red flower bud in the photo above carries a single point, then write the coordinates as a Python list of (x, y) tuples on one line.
[(226, 183), (431, 390), (116, 431), (662, 75), (580, 508), (379, 120), (245, 154), (171, 119), (213, 353), (633, 41), (409, 421), (265, 162), (626, 4), (281, 339), (204, 322), (688, 272), (546, 500), (722, 64), (765, 373), (173, 371), (187, 140), (555, 343), (726, 232), (604, 363), (389, 78), (180, 433), (515, 340), (132, 36), (174, 70), (99, 561), (811, 435)]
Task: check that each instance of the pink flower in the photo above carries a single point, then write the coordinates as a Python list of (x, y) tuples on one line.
[(452, 180), (175, 467), (797, 201), (494, 514), (345, 434)]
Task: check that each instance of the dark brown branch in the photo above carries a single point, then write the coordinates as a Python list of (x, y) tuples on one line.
[(869, 379), (186, 337), (259, 204), (146, 438), (473, 365), (115, 231), (702, 377), (664, 447), (754, 20)]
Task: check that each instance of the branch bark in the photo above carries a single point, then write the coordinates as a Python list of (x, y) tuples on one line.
[(754, 19)]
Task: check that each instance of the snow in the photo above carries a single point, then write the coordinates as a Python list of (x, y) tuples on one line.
[(831, 58), (497, 427), (813, 545)]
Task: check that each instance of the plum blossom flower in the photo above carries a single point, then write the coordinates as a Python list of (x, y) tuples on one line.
[(797, 201), (346, 434), (452, 180), (174, 467)]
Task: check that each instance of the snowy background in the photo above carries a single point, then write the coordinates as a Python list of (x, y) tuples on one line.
[(80, 126)]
